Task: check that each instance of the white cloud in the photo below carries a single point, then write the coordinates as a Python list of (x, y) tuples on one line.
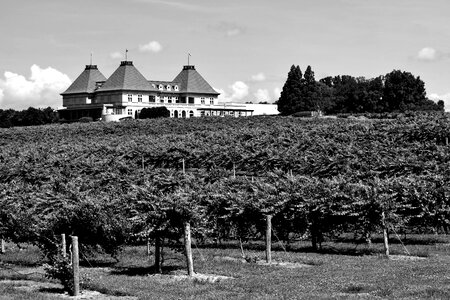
[(233, 31), (180, 5), (276, 93), (445, 98), (262, 95), (259, 77), (116, 55), (229, 29), (152, 46), (239, 90), (427, 54), (41, 89)]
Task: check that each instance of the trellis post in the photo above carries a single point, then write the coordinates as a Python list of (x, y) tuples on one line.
[(385, 234), (2, 249), (269, 239), (75, 267), (63, 245), (188, 248)]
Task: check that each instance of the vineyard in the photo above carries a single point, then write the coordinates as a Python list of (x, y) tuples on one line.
[(144, 180)]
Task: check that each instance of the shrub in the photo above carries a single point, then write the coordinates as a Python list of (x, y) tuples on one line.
[(60, 268), (154, 112)]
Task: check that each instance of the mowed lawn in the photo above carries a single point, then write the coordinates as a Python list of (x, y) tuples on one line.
[(317, 276)]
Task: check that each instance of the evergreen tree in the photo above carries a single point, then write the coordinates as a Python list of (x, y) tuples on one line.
[(291, 92), (311, 95)]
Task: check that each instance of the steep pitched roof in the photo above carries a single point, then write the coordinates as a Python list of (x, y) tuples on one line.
[(192, 82), (85, 82), (126, 77)]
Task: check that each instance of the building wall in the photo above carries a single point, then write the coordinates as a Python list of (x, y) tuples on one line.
[(75, 100)]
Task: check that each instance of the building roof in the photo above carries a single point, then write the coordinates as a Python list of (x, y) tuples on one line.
[(190, 81), (126, 77), (85, 82)]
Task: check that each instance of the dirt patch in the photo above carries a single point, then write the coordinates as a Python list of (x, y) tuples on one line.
[(405, 257), (54, 289), (229, 258), (284, 264), (179, 275)]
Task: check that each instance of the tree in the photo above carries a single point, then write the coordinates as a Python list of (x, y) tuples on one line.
[(154, 112), (291, 92), (403, 91)]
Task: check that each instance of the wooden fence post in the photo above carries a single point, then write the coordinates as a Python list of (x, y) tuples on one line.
[(385, 234), (188, 248), (269, 239), (75, 267), (2, 249), (63, 245), (184, 167), (158, 254)]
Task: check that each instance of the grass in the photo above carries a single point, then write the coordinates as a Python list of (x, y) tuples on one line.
[(330, 275)]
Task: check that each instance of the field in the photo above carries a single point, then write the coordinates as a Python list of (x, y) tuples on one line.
[(332, 188), (317, 276)]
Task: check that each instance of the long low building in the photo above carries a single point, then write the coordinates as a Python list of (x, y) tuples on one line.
[(126, 92)]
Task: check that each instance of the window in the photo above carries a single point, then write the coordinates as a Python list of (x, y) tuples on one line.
[(130, 112), (168, 87), (169, 99), (202, 113), (202, 100), (161, 99), (139, 98), (161, 87), (130, 97), (191, 114), (151, 98), (191, 100), (211, 101), (176, 88)]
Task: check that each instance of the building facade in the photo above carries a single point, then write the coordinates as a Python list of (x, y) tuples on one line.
[(126, 92)]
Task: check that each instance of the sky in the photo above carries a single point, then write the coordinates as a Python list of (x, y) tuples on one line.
[(243, 48)]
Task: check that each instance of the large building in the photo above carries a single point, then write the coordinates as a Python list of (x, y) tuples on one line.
[(126, 92)]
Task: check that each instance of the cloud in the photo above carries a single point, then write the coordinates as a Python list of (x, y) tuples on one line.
[(276, 93), (259, 77), (427, 54), (262, 95), (239, 90), (41, 89), (229, 29), (444, 97), (180, 5), (152, 46), (116, 55)]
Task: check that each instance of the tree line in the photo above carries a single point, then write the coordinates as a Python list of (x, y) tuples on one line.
[(397, 91), (41, 116), (27, 117)]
